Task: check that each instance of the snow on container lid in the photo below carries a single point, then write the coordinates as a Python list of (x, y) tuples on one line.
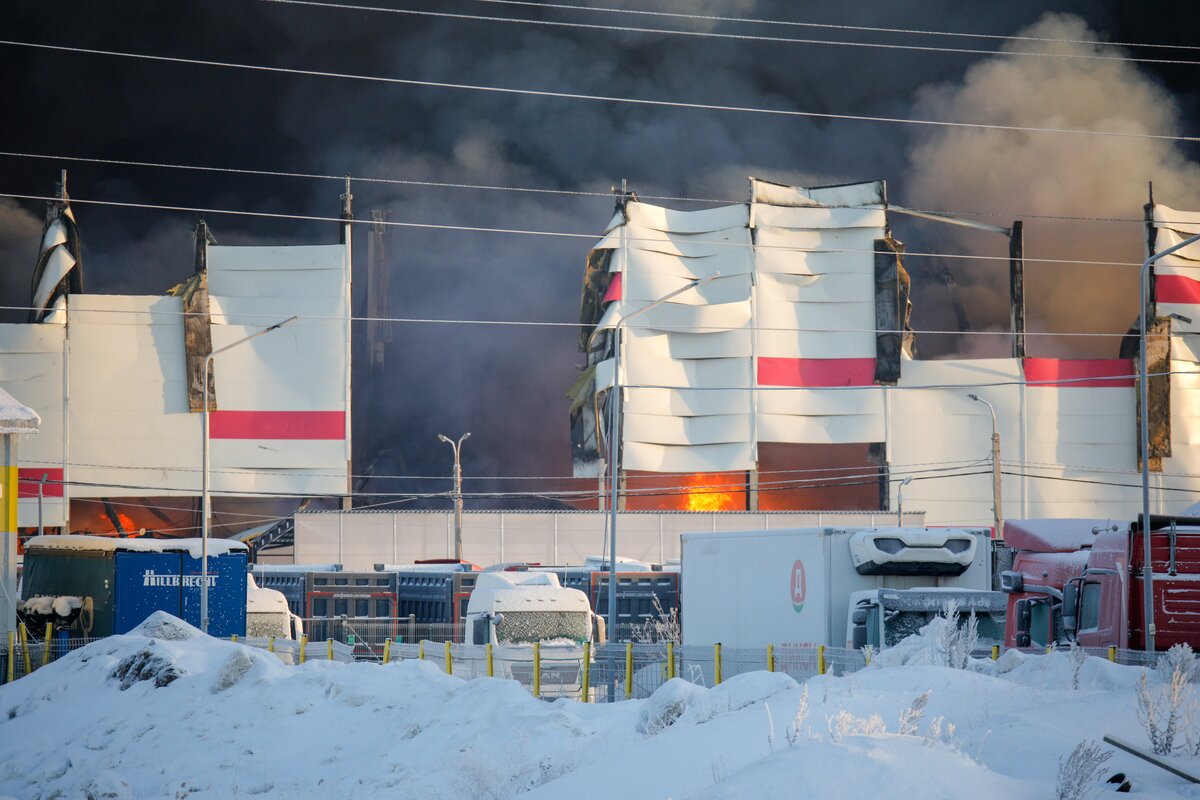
[(79, 542)]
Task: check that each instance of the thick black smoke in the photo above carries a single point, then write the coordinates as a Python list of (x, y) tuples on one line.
[(504, 384)]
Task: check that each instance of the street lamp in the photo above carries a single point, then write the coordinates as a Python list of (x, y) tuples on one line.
[(998, 512), (900, 500), (614, 444), (457, 493), (1147, 566), (205, 503)]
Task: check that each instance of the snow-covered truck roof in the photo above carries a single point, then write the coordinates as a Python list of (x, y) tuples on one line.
[(83, 543), (1054, 535)]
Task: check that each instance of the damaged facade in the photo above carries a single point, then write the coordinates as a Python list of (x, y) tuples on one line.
[(117, 382), (804, 340)]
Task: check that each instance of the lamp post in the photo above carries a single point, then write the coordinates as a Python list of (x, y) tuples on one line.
[(614, 444), (900, 501), (457, 493), (997, 510), (205, 503), (1144, 421)]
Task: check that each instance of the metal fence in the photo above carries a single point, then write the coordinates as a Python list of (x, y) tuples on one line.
[(591, 673)]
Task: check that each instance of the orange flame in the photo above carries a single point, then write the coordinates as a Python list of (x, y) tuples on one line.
[(704, 494)]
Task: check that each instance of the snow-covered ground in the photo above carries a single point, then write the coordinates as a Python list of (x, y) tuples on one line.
[(166, 712)]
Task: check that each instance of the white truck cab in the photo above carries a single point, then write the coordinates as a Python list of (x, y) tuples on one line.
[(267, 614), (527, 607)]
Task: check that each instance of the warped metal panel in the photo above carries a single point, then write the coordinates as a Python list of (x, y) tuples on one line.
[(645, 457), (686, 430), (708, 372), (1112, 403), (701, 221), (822, 288), (792, 262), (645, 287), (728, 242), (836, 429), (811, 345), (21, 338), (822, 402), (730, 259), (262, 311), (686, 402), (672, 316), (818, 317), (767, 216), (868, 193), (1187, 222), (719, 344)]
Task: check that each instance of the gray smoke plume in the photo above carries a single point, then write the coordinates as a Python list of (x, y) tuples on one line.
[(1029, 174)]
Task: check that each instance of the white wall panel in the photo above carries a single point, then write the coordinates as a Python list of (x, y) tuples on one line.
[(658, 429), (702, 458)]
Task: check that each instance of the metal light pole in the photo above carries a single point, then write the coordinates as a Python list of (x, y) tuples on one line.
[(614, 444), (998, 511), (1147, 566), (205, 502), (900, 501), (457, 493)]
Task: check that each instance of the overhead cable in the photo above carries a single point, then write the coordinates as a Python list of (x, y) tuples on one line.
[(562, 95)]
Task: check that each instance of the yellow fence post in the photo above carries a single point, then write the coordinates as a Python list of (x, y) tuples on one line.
[(233, 638), (770, 658), (491, 671), (387, 650), (1049, 649), (587, 672), (866, 651), (1112, 653), (820, 659), (995, 652), (12, 657), (537, 669), (628, 670), (303, 644), (329, 649), (449, 661), (25, 648), (670, 660), (46, 650), (717, 664), (421, 651), (271, 644)]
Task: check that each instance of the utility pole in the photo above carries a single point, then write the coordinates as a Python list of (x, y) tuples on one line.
[(998, 512), (457, 494)]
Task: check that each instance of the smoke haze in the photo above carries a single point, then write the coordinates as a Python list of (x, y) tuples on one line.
[(506, 384)]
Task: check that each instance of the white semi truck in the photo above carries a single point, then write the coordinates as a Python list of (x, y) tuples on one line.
[(748, 589), (527, 607)]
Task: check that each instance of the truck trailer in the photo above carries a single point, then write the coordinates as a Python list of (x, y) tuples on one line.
[(748, 589)]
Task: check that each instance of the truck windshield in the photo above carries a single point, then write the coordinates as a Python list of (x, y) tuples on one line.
[(907, 623), (522, 627), (265, 624)]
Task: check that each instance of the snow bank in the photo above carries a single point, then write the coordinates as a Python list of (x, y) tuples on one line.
[(45, 605), (165, 711)]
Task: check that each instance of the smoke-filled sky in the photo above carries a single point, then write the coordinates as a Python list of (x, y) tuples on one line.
[(506, 384)]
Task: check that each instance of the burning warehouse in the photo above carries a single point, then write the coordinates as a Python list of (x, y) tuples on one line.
[(117, 380), (795, 369)]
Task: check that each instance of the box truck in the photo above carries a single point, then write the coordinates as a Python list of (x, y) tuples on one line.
[(748, 589)]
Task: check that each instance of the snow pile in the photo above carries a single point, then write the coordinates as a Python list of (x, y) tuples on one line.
[(165, 711)]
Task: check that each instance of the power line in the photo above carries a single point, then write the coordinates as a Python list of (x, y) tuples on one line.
[(834, 26), (731, 36), (592, 97), (556, 234), (501, 188)]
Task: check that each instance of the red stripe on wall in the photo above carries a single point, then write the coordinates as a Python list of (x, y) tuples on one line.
[(1074, 373), (28, 479), (277, 425), (614, 288), (1176, 289), (813, 372)]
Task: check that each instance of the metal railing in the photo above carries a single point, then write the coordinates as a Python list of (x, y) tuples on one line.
[(589, 673)]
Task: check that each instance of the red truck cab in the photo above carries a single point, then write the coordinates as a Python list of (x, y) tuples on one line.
[(1082, 579)]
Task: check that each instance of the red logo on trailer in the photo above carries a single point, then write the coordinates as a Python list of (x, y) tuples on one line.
[(799, 586)]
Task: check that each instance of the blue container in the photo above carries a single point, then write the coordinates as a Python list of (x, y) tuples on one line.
[(128, 581)]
